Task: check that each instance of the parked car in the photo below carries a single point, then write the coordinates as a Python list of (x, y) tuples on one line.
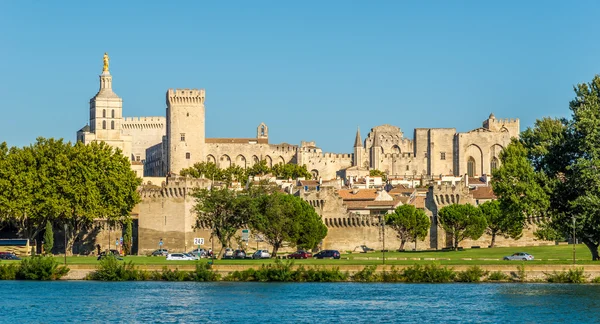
[(228, 254), (328, 254), (192, 256), (201, 253), (104, 254), (9, 256), (261, 254), (179, 256), (300, 254), (159, 252), (520, 256), (239, 254)]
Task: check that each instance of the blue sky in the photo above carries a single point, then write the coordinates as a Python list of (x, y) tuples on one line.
[(311, 70)]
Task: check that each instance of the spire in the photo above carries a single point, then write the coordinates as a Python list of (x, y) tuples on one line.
[(357, 141), (376, 140), (106, 81)]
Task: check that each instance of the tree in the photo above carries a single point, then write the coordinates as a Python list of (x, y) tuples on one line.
[(290, 171), (128, 238), (208, 170), (223, 211), (48, 238), (409, 223), (378, 173), (287, 218), (499, 222), (462, 222), (566, 156)]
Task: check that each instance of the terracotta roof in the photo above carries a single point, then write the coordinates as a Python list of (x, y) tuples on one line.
[(361, 194), (418, 202), (401, 190), (310, 183), (236, 140), (483, 193), (475, 181)]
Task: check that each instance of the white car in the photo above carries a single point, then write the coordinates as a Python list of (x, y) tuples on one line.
[(261, 254), (179, 256)]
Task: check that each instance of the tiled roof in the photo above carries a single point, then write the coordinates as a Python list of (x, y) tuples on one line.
[(236, 140), (483, 193), (401, 190), (475, 181), (418, 202), (362, 194), (310, 183)]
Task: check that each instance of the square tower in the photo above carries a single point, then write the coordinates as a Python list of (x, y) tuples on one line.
[(185, 128)]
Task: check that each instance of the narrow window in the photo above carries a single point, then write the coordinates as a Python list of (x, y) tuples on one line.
[(187, 155), (112, 114), (137, 158), (104, 124), (471, 167), (112, 124), (443, 156), (103, 113), (183, 137), (407, 168), (494, 164)]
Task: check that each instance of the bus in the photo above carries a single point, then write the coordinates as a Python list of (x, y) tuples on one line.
[(19, 247)]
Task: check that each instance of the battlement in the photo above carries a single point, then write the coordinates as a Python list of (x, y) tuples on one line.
[(334, 156), (173, 187), (504, 121), (144, 122), (185, 96), (406, 156)]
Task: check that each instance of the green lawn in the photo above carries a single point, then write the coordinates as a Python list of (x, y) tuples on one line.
[(563, 254)]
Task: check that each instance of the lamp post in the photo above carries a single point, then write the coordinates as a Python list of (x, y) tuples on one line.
[(573, 239), (65, 243)]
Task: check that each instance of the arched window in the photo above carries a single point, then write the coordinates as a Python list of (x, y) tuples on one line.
[(104, 124), (112, 124), (262, 130), (112, 114), (495, 163), (471, 166), (103, 113)]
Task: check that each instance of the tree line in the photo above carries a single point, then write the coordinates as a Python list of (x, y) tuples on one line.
[(52, 183), (209, 170), (281, 218)]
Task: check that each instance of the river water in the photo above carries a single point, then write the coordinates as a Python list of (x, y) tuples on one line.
[(227, 302)]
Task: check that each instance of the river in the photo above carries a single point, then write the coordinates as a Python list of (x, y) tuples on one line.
[(228, 302)]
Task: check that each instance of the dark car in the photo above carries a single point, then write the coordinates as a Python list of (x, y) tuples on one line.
[(159, 252), (328, 254), (114, 253), (9, 256), (300, 254), (239, 254)]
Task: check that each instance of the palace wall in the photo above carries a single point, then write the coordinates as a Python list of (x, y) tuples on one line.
[(145, 132)]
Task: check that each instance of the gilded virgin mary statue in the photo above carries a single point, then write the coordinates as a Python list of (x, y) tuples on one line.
[(106, 59)]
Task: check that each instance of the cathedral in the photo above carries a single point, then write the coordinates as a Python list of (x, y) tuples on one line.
[(162, 145)]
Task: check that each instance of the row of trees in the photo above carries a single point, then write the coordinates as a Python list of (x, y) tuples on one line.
[(210, 170), (279, 217), (459, 221), (60, 183), (552, 172)]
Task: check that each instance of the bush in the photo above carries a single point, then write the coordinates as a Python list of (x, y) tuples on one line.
[(498, 276), (110, 269), (596, 280), (319, 275), (8, 271), (570, 276), (428, 273), (175, 275), (367, 274), (521, 274), (40, 268), (204, 272), (393, 276), (472, 274)]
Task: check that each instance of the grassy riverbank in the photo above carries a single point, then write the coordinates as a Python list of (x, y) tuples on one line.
[(558, 254)]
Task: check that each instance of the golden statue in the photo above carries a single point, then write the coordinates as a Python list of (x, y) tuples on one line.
[(105, 69)]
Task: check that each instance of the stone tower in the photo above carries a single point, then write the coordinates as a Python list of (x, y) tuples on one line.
[(376, 151), (185, 128), (358, 150), (106, 116)]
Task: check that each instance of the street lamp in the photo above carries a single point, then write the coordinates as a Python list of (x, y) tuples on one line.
[(65, 243), (573, 239)]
